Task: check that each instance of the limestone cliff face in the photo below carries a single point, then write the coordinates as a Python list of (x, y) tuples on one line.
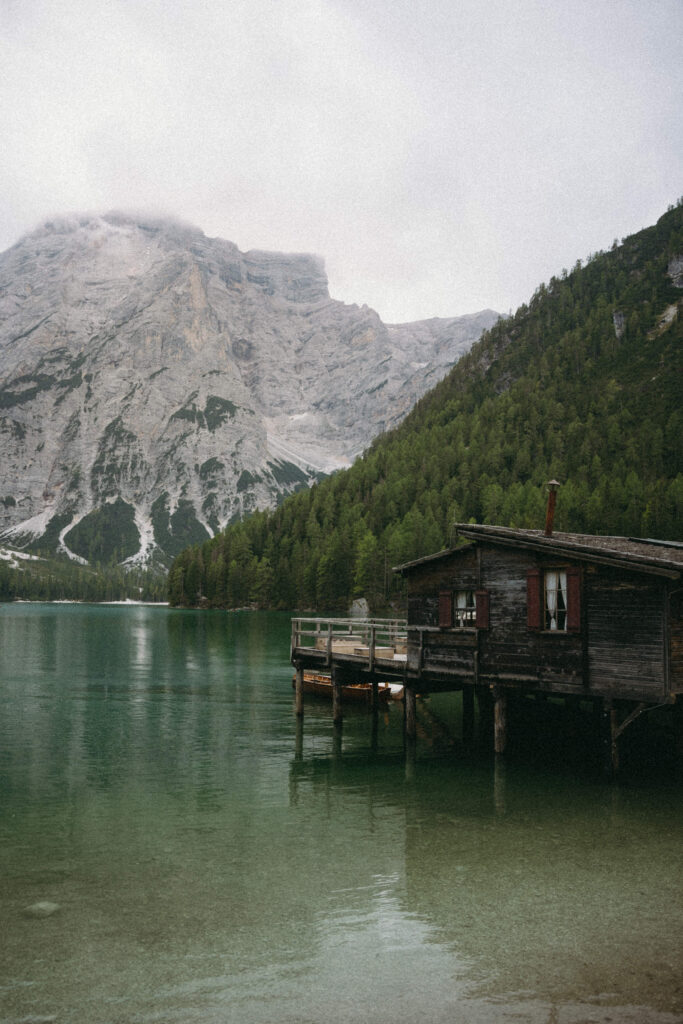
[(148, 368)]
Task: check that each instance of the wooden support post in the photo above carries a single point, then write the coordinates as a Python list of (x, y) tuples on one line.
[(499, 786), (410, 712), (375, 695), (467, 714), (610, 732), (337, 713), (299, 690), (678, 730), (485, 703), (374, 734), (499, 720)]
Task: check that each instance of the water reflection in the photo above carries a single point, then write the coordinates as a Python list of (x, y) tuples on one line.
[(214, 859)]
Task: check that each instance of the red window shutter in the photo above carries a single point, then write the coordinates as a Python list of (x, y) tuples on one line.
[(481, 598), (573, 599), (445, 608), (534, 604)]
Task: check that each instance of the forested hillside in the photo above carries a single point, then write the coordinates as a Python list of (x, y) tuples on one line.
[(583, 385), (34, 578)]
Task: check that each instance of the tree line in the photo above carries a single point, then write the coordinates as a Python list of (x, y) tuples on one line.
[(58, 580)]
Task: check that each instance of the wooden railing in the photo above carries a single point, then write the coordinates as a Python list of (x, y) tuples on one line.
[(366, 638)]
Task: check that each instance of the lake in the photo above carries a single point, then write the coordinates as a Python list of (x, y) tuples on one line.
[(176, 847)]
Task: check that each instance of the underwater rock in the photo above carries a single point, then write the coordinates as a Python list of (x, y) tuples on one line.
[(44, 908)]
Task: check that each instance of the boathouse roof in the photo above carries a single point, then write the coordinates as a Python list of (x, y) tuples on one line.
[(658, 557)]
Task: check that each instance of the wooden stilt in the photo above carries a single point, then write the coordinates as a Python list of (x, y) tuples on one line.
[(467, 714), (410, 713), (485, 704), (499, 720), (299, 690), (337, 713), (499, 786), (608, 722), (678, 730), (614, 742), (375, 694)]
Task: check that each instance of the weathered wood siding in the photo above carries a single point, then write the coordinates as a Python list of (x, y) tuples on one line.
[(510, 650), (622, 646), (450, 651), (456, 572), (625, 621)]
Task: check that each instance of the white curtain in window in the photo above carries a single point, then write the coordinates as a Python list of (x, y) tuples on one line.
[(551, 597), (562, 587)]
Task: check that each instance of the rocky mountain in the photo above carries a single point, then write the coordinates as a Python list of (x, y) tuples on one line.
[(156, 384)]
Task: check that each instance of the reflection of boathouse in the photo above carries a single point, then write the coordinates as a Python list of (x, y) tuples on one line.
[(527, 613)]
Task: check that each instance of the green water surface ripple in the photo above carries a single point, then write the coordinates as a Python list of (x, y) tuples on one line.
[(175, 847)]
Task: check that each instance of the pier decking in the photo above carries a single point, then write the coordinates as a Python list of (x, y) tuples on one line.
[(349, 651)]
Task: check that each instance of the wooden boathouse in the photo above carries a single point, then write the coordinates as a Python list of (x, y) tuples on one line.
[(517, 613)]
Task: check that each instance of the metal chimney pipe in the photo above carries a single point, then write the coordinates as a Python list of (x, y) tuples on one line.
[(553, 487)]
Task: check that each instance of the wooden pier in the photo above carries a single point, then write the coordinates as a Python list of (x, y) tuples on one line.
[(370, 651), (519, 615)]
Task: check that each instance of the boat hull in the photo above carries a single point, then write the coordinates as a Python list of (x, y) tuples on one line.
[(359, 693)]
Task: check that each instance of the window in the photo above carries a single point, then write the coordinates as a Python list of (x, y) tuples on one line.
[(555, 591), (554, 600), (464, 609)]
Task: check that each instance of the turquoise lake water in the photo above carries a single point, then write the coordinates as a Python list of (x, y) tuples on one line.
[(175, 847)]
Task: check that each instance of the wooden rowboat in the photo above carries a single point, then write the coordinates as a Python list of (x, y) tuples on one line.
[(321, 685)]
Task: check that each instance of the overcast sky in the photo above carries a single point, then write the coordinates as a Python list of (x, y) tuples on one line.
[(443, 156)]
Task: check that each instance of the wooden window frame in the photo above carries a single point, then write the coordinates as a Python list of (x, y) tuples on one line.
[(536, 600), (474, 615)]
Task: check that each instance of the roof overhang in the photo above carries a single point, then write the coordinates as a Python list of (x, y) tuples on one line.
[(558, 547), (562, 548)]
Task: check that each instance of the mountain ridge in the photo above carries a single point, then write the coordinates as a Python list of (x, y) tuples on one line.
[(157, 384)]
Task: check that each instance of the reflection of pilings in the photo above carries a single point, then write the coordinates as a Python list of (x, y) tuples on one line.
[(499, 785), (336, 741), (374, 736), (411, 758), (299, 740)]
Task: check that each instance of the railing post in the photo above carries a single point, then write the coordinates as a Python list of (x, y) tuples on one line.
[(329, 644)]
